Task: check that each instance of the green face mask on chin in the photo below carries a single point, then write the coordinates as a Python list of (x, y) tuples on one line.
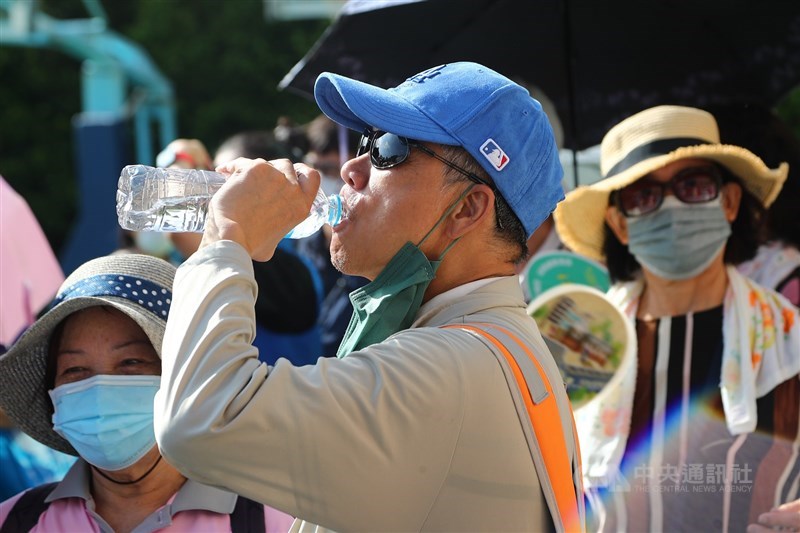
[(390, 302)]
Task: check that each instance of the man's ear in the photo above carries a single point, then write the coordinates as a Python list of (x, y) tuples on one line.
[(731, 200), (618, 223), (476, 206)]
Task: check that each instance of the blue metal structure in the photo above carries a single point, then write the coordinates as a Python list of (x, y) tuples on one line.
[(120, 87)]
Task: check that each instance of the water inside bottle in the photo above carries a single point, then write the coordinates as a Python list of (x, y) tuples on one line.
[(177, 200), (324, 210), (180, 214)]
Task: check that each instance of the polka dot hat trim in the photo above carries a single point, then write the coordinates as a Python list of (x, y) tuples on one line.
[(148, 295)]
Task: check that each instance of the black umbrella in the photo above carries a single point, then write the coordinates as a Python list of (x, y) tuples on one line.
[(598, 62)]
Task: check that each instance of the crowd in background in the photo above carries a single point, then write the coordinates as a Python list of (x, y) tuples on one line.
[(303, 307)]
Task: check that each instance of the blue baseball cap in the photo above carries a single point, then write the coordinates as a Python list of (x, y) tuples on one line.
[(469, 105)]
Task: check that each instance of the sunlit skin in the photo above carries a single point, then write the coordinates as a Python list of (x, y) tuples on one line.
[(386, 209), (103, 341), (400, 204), (663, 297)]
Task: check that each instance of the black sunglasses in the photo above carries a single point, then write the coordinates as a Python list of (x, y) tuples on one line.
[(695, 185), (387, 150)]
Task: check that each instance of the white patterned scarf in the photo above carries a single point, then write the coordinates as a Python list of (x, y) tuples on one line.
[(761, 335)]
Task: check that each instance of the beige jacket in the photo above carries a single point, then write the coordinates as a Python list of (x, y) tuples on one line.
[(417, 433)]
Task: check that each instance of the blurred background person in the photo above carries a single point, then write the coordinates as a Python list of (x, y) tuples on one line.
[(328, 145), (82, 380), (760, 130), (29, 278), (710, 399), (153, 243), (291, 136), (172, 247)]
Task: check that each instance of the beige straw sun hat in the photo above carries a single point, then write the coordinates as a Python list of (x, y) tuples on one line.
[(138, 285), (643, 143)]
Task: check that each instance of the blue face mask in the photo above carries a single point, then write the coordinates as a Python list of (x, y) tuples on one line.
[(678, 241), (154, 243), (107, 419)]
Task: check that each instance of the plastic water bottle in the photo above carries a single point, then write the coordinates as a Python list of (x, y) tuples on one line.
[(176, 199)]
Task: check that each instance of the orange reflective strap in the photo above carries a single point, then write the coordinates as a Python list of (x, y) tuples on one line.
[(544, 417)]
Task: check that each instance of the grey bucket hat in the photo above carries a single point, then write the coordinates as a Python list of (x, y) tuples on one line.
[(138, 285)]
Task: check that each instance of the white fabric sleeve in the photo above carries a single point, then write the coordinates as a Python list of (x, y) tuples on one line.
[(318, 442)]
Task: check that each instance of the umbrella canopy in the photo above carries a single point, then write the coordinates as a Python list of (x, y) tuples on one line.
[(598, 62), (29, 272)]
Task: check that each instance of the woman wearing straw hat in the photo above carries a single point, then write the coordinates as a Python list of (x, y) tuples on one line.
[(702, 432), (82, 380)]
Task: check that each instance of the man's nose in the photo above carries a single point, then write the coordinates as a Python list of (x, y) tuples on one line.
[(355, 172)]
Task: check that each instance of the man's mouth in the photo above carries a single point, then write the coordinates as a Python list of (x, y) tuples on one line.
[(348, 203)]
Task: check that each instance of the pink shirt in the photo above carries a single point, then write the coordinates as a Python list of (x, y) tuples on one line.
[(195, 507)]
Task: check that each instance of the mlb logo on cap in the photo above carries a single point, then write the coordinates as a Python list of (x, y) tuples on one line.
[(469, 105), (494, 154)]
